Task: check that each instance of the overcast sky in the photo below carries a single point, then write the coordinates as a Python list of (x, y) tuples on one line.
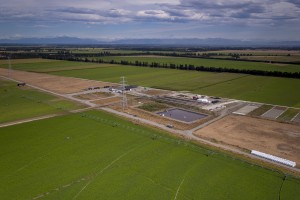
[(111, 19)]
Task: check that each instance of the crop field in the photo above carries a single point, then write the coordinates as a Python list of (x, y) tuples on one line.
[(209, 63), (272, 90), (94, 155), (101, 50), (45, 65), (263, 55), (257, 52), (20, 103), (274, 58)]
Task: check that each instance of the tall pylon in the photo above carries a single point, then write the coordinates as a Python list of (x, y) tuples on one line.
[(9, 67), (124, 98)]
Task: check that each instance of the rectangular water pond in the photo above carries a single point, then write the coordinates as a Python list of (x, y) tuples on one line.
[(182, 115)]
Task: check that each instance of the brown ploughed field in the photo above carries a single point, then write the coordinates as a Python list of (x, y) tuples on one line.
[(59, 84), (279, 139)]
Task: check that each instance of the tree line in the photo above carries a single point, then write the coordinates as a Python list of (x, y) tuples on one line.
[(78, 57), (189, 67)]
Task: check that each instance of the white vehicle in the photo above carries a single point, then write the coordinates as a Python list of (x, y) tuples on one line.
[(203, 100)]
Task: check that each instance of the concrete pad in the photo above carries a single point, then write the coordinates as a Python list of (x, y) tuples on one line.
[(274, 112), (246, 109)]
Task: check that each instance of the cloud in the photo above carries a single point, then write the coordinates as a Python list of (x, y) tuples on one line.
[(114, 11), (145, 14)]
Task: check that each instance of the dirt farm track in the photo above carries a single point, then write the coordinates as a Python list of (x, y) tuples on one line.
[(268, 136)]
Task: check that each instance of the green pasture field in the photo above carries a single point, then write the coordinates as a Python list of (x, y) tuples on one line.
[(295, 58), (208, 63), (94, 155), (279, 91), (101, 50), (45, 65), (22, 102), (257, 52)]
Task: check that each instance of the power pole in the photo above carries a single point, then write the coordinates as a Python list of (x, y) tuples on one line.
[(124, 98), (9, 67)]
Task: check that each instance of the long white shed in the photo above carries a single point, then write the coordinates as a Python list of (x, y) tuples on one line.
[(274, 158)]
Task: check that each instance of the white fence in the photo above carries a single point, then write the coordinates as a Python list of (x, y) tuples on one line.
[(274, 158)]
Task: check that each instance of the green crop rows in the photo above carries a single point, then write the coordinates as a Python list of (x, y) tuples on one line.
[(94, 155), (20, 103)]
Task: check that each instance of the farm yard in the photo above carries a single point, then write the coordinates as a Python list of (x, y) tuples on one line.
[(63, 163)]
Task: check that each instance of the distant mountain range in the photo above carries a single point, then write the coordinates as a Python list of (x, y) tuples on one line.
[(165, 42)]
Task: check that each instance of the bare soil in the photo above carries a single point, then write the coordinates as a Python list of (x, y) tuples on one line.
[(108, 101), (59, 84), (279, 139), (95, 95), (27, 60), (155, 92)]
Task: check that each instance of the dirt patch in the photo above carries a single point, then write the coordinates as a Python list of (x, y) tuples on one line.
[(59, 84), (271, 137), (155, 92), (27, 60), (92, 96), (108, 101)]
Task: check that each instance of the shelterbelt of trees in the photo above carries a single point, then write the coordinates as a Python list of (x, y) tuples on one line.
[(183, 67), (89, 58)]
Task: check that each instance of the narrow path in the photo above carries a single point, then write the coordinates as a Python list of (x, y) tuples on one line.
[(29, 120), (178, 188)]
